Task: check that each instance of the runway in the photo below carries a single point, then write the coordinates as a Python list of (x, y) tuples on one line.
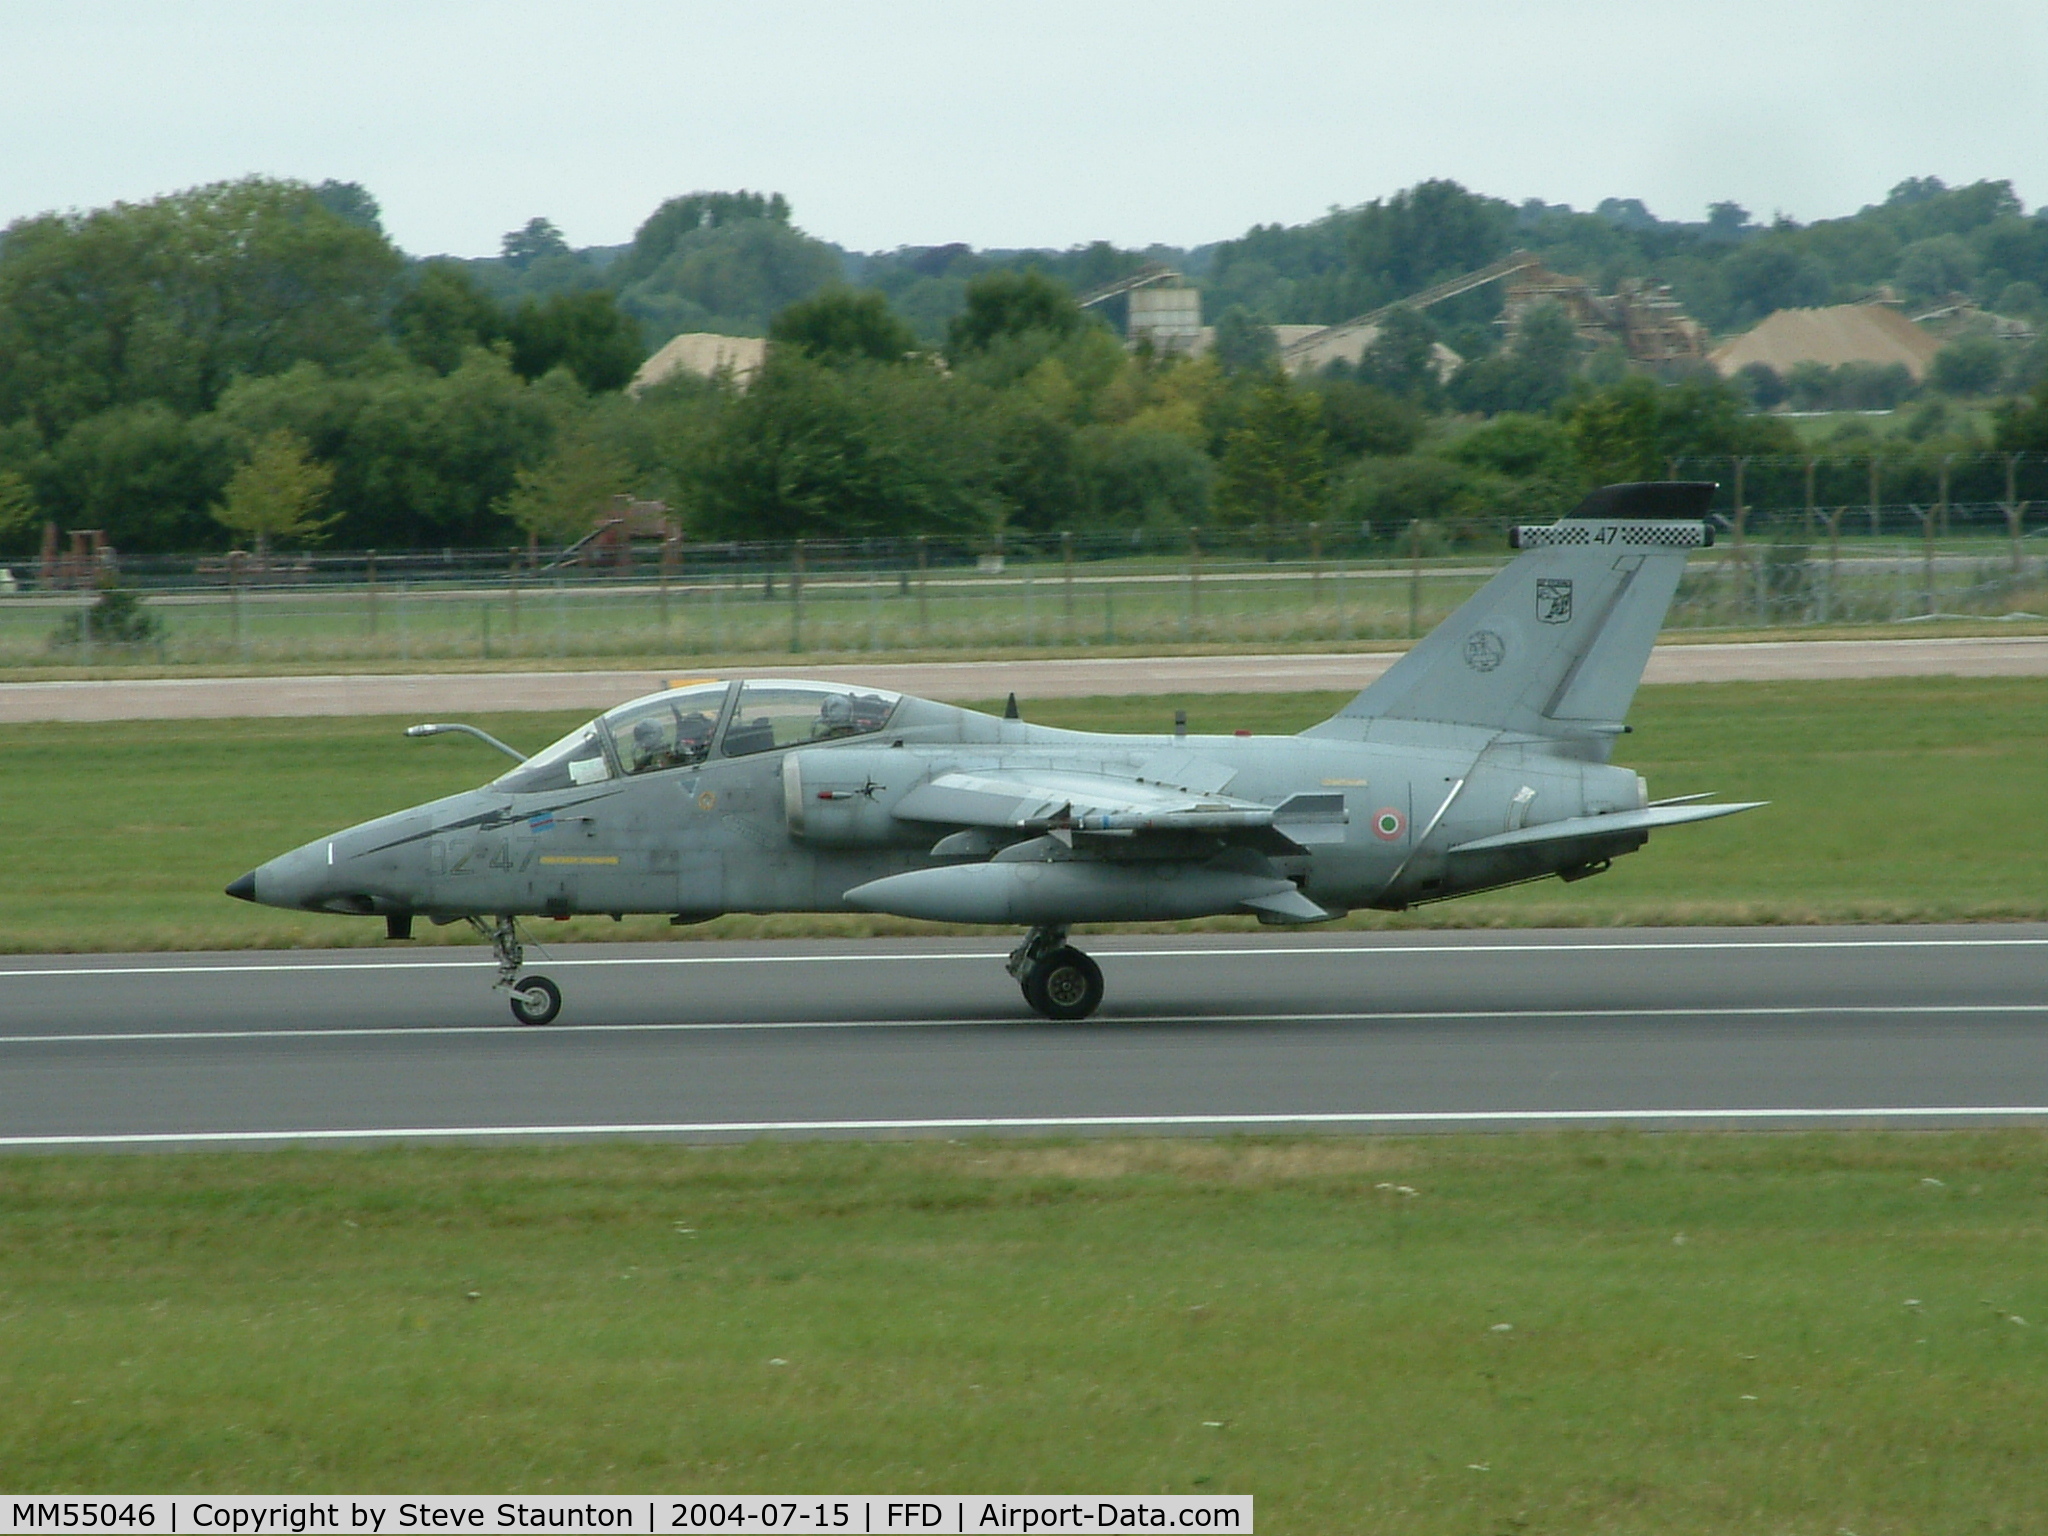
[(1200, 1034), (427, 694)]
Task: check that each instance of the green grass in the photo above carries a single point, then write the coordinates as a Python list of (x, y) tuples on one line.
[(1892, 800), (1704, 1333), (1977, 419), (840, 615), (1229, 604)]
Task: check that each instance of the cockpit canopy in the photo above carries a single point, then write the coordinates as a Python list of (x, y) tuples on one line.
[(682, 727)]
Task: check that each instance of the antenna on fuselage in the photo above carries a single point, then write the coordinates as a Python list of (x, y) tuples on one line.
[(1011, 711)]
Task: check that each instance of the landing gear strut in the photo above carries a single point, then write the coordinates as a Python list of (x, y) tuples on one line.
[(1058, 980), (535, 1000)]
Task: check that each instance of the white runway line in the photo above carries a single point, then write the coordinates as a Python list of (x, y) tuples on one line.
[(1216, 952), (1055, 1123), (1101, 1025)]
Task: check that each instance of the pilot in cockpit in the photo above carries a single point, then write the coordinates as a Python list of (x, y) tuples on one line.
[(649, 750), (693, 737), (835, 718)]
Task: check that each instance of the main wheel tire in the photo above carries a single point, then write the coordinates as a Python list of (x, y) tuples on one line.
[(1064, 985), (536, 1000)]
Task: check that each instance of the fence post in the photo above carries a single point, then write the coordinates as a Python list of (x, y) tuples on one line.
[(1067, 576), (1194, 618), (235, 600), (1740, 553), (1876, 473), (924, 625), (1811, 465), (796, 598), (372, 594), (1343, 600), (1947, 459), (874, 601), (512, 598), (2014, 512), (668, 548), (1927, 527), (1834, 560), (1414, 577)]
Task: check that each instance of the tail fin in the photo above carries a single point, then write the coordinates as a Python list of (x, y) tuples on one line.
[(1555, 645)]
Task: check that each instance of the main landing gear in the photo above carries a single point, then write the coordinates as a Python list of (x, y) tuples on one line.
[(535, 1000), (1058, 980)]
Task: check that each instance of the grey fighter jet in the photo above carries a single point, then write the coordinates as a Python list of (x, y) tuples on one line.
[(1478, 760)]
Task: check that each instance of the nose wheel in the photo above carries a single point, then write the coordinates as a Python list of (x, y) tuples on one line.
[(535, 999), (1058, 980)]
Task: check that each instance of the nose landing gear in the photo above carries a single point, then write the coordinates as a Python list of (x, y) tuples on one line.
[(535, 1000), (1058, 980)]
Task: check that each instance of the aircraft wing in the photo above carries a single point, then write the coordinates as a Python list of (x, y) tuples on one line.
[(1666, 815), (1100, 804)]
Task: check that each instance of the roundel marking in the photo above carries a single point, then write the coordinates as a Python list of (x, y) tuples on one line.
[(706, 800), (1484, 650), (1388, 824)]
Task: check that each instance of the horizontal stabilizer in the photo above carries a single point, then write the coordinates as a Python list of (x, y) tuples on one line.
[(1576, 827)]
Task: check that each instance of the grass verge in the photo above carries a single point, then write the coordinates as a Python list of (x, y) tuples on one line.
[(1597, 1331), (1897, 799), (661, 657)]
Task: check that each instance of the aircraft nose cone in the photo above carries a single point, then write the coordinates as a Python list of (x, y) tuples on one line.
[(244, 889)]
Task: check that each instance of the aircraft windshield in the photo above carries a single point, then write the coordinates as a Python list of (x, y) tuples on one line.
[(666, 730), (578, 758), (771, 715)]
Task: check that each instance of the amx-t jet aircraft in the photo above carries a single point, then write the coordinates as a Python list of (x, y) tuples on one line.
[(1478, 760)]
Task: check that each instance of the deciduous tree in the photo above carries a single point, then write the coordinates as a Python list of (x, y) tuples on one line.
[(1243, 341), (817, 452), (1273, 471), (1001, 304), (844, 325), (443, 315), (585, 333), (17, 505), (560, 498), (1969, 365), (172, 300), (277, 493)]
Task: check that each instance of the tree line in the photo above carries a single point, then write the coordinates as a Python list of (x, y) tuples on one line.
[(256, 361)]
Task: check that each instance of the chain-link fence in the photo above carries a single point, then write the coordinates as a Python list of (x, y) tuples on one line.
[(1817, 558)]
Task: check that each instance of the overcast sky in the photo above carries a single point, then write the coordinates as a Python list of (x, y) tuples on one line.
[(1028, 122)]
